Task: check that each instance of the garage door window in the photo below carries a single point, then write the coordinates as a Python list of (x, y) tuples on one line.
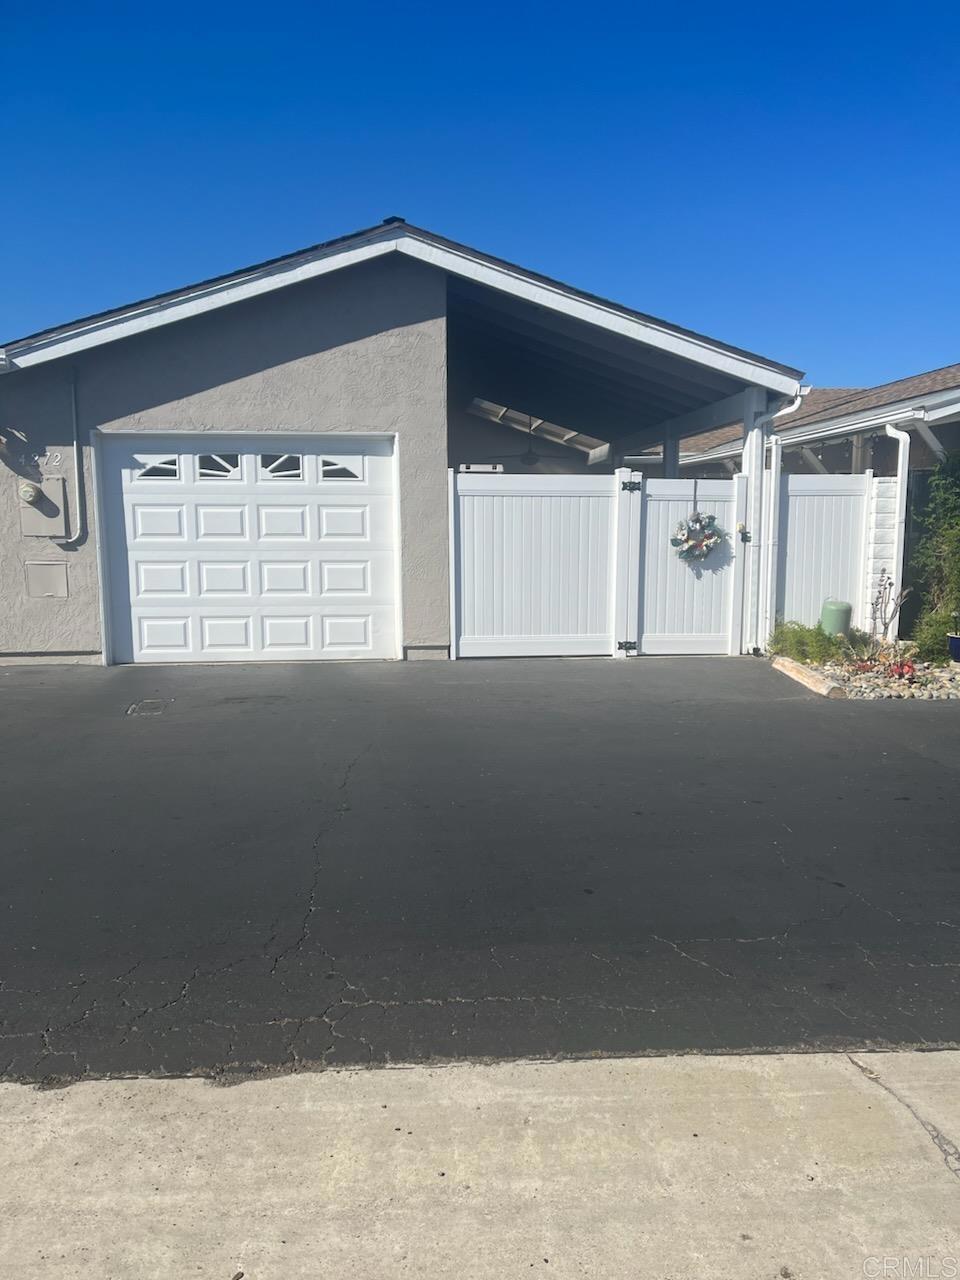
[(160, 469), (218, 466), (281, 466), (336, 469)]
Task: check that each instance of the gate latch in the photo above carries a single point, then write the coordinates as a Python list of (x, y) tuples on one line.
[(628, 646), (631, 486)]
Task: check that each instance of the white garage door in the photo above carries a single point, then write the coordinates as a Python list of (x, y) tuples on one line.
[(240, 549)]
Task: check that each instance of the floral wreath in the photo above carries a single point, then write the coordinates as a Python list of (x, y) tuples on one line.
[(697, 536)]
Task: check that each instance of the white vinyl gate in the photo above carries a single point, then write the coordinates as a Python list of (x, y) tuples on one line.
[(577, 565)]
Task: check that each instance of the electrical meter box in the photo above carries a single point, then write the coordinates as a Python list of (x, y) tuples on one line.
[(46, 516)]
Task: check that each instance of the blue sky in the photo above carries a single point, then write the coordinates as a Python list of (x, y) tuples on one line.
[(783, 177)]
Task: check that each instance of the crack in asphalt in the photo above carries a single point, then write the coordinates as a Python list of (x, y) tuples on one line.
[(337, 1015), (695, 959), (340, 811), (946, 1146)]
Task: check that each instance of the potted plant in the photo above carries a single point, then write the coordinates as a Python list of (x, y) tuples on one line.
[(953, 639)]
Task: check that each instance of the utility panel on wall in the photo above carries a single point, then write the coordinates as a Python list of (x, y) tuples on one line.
[(46, 579), (42, 507)]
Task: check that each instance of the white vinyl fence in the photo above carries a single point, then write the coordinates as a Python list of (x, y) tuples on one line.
[(833, 534), (577, 565), (533, 565)]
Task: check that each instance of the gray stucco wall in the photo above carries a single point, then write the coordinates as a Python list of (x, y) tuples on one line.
[(361, 350)]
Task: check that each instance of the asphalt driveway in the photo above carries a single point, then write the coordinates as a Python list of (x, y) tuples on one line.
[(277, 867)]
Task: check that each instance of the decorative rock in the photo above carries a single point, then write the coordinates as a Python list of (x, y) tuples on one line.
[(929, 683)]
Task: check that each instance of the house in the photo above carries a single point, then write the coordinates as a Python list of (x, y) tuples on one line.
[(843, 429), (259, 466)]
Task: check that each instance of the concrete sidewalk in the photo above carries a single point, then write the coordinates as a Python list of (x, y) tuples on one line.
[(773, 1168)]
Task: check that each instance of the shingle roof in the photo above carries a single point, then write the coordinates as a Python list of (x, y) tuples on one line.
[(853, 401), (818, 399), (821, 404)]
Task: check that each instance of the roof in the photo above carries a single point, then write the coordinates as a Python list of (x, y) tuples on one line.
[(817, 401), (828, 404), (844, 402), (395, 235)]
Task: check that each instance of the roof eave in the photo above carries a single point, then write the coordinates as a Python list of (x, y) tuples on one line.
[(419, 245), (910, 410)]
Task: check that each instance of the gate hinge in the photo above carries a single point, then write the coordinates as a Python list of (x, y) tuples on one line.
[(631, 486), (629, 646)]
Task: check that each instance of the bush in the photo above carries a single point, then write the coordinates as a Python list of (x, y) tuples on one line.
[(936, 563), (806, 644)]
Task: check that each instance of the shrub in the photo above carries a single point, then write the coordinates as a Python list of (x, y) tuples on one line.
[(806, 644), (936, 563)]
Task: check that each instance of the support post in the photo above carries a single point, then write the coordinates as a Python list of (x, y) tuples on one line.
[(625, 567), (671, 457), (903, 474), (772, 540), (752, 466)]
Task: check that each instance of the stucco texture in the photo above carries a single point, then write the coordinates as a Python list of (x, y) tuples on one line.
[(361, 350)]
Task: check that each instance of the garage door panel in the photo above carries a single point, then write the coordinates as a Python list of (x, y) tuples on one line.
[(273, 550)]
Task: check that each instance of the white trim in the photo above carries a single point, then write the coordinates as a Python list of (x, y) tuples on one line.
[(536, 647), (460, 263), (624, 561), (153, 315), (555, 298), (550, 486), (772, 542), (735, 618), (102, 559), (453, 563), (903, 469), (860, 618), (397, 535)]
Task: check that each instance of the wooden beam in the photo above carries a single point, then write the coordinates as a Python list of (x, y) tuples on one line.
[(720, 413), (813, 462)]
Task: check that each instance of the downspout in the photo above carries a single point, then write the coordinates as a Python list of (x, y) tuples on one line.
[(756, 619), (773, 540), (79, 518), (903, 470)]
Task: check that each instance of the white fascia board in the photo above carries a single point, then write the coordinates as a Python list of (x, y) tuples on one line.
[(502, 278), (555, 298), (153, 315)]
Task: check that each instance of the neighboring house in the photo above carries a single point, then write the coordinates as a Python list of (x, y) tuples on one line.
[(849, 431), (842, 430), (256, 467)]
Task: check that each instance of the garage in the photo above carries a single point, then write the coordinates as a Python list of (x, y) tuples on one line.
[(249, 548)]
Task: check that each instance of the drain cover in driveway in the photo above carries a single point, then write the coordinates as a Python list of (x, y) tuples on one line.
[(148, 707)]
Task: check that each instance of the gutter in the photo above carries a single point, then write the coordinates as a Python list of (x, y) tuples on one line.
[(802, 436)]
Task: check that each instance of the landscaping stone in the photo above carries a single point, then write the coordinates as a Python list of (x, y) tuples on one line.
[(928, 682)]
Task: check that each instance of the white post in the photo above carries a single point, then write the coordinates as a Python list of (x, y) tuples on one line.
[(671, 457), (903, 472), (772, 541), (454, 562), (626, 558), (755, 403)]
